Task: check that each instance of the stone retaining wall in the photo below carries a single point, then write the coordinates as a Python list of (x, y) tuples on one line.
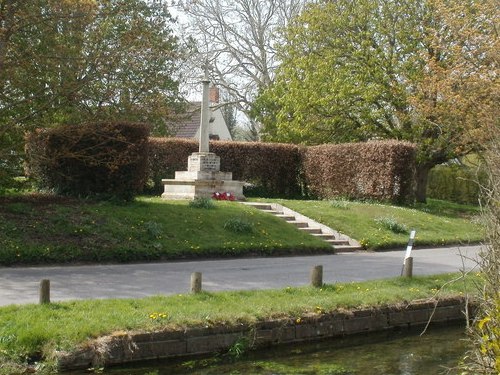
[(125, 347)]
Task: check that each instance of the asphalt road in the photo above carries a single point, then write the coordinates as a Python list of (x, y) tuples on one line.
[(20, 284)]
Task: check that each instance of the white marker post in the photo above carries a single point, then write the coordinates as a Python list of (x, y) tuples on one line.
[(406, 262)]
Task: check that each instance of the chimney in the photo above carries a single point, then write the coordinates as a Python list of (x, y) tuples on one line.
[(213, 95)]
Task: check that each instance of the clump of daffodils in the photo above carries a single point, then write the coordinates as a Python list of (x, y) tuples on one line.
[(158, 316)]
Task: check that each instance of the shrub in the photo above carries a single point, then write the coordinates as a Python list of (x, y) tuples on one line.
[(202, 202), (456, 183), (391, 224), (97, 159), (340, 203), (238, 225), (381, 170)]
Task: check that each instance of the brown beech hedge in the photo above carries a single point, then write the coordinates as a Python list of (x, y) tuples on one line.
[(273, 168), (95, 159), (381, 170)]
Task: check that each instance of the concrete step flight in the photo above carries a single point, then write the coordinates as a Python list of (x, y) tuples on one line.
[(340, 242)]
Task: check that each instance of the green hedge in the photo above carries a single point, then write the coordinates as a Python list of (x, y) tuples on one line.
[(96, 159), (456, 183), (382, 170)]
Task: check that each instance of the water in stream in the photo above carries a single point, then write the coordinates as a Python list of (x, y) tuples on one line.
[(397, 353)]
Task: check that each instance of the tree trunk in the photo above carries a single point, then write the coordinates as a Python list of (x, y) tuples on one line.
[(422, 174)]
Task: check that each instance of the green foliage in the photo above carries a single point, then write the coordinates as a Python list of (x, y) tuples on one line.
[(107, 160), (392, 224), (355, 71), (202, 202), (460, 184), (238, 225), (79, 61), (484, 354), (340, 203), (239, 348)]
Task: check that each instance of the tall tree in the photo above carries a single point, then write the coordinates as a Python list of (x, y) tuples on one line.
[(419, 71), (72, 61), (239, 38)]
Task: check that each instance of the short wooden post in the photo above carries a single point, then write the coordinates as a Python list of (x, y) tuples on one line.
[(317, 276), (196, 282), (408, 267), (44, 291)]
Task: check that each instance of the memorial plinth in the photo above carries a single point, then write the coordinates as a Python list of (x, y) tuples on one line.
[(202, 179)]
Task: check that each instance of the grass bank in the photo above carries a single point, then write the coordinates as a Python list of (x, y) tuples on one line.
[(36, 229), (383, 226), (35, 331), (44, 229)]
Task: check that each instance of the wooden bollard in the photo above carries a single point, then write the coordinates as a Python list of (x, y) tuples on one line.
[(408, 267), (196, 282), (317, 276), (44, 291)]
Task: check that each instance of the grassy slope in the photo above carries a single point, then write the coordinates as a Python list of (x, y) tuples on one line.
[(47, 231), (28, 329), (437, 222), (44, 231)]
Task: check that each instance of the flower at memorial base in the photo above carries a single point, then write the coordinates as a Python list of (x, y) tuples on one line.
[(225, 196)]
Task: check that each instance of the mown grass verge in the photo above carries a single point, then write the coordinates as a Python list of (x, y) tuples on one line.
[(44, 229), (382, 226), (35, 331)]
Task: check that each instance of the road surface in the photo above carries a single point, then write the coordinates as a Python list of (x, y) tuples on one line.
[(20, 284)]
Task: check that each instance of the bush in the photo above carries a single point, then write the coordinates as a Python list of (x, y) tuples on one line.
[(456, 183), (381, 170), (202, 202), (98, 159), (391, 224), (238, 225)]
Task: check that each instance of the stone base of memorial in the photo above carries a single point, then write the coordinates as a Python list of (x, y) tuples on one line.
[(202, 179)]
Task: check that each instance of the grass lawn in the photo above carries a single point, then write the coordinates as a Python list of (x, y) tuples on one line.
[(43, 229), (383, 226), (28, 330), (49, 230)]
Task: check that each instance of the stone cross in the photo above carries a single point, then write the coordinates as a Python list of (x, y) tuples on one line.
[(205, 115)]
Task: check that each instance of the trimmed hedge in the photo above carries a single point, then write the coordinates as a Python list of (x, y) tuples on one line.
[(381, 170), (95, 159), (271, 168), (375, 170), (456, 183)]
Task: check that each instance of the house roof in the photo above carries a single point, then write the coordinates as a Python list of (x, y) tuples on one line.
[(187, 124)]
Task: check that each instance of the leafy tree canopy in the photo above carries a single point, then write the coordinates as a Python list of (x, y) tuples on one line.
[(425, 72), (73, 61)]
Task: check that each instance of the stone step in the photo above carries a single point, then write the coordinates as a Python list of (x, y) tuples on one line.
[(346, 248), (261, 206), (299, 224), (270, 211), (337, 242), (323, 236), (285, 217), (315, 232)]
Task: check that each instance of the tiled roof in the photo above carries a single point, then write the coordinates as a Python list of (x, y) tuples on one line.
[(188, 123)]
